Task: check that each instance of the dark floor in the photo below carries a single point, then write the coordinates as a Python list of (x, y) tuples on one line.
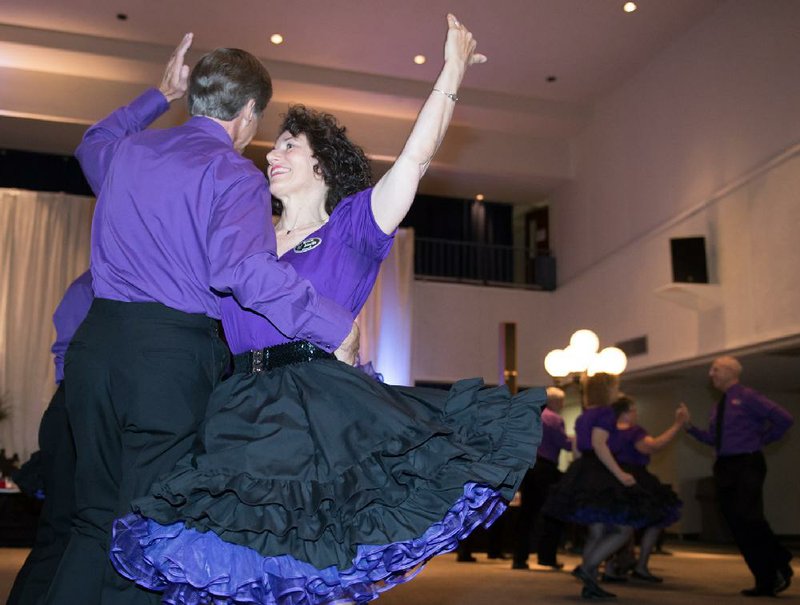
[(694, 575)]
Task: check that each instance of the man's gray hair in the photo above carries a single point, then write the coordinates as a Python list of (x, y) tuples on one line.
[(224, 80)]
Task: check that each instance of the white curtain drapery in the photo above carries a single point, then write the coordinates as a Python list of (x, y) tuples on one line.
[(385, 320), (44, 245)]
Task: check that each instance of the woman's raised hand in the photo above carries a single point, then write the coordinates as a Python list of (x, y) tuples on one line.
[(460, 44)]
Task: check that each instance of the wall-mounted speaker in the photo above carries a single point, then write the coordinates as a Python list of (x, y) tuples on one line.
[(545, 271), (689, 260)]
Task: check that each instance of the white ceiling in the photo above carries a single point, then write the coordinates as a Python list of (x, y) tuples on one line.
[(65, 63)]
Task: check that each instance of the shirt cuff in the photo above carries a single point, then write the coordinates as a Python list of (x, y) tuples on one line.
[(149, 106), (329, 326)]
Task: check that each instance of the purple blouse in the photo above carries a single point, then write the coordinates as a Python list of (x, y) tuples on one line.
[(181, 217), (554, 437), (341, 260), (69, 315), (601, 417), (622, 443)]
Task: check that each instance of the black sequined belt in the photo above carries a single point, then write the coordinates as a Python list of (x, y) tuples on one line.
[(263, 360)]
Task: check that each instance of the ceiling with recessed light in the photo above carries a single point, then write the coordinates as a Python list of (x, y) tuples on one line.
[(66, 63)]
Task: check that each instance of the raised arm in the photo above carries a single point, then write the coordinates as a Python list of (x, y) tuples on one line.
[(96, 150), (394, 193), (649, 445), (704, 436)]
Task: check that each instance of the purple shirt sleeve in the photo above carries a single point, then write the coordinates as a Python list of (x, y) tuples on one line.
[(68, 316), (775, 418), (363, 230), (101, 140), (704, 436)]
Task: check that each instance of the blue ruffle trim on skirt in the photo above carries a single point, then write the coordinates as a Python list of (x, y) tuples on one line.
[(199, 568)]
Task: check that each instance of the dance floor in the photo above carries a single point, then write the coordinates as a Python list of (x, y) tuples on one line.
[(693, 575)]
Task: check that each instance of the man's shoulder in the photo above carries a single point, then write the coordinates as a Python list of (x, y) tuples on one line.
[(198, 149), (552, 418), (230, 165), (742, 392)]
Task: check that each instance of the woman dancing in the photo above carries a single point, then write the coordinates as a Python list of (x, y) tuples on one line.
[(316, 483), (632, 447), (597, 492)]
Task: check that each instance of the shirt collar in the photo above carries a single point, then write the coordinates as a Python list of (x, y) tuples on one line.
[(733, 389), (211, 127)]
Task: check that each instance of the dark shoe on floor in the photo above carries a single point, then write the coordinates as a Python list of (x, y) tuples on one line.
[(580, 573), (553, 564), (612, 579), (595, 593), (758, 592), (784, 580), (591, 589), (465, 559), (519, 565), (646, 576)]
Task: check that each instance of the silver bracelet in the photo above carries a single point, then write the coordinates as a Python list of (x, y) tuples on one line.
[(450, 95)]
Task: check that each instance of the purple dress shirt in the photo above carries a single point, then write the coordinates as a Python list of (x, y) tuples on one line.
[(69, 314), (341, 259), (182, 217), (751, 421), (554, 437), (601, 417), (622, 443)]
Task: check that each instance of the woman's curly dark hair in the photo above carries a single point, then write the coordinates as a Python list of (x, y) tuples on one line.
[(343, 165)]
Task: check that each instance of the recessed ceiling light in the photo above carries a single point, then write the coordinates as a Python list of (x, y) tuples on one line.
[(420, 59), (276, 39), (479, 197), (629, 7)]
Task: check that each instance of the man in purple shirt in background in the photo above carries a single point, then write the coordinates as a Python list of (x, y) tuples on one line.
[(536, 485), (181, 220), (56, 459), (741, 424)]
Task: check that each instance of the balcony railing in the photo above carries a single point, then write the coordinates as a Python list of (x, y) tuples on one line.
[(476, 263)]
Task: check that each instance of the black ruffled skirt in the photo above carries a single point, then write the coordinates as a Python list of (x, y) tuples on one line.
[(588, 493), (318, 483)]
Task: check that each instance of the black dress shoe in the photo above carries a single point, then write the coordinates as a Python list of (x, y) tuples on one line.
[(553, 564), (591, 589), (758, 592), (784, 580), (465, 559), (595, 593), (519, 565), (646, 576)]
